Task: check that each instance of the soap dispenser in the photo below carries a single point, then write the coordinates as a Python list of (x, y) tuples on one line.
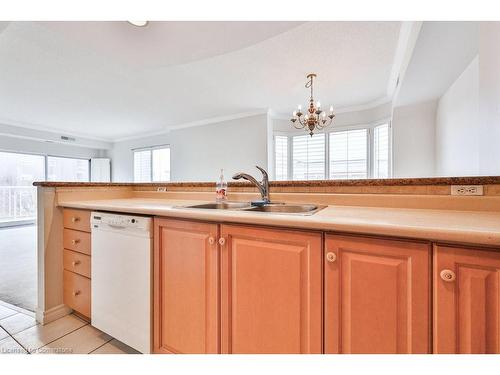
[(221, 188)]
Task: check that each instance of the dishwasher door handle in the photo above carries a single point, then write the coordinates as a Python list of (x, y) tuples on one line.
[(117, 226)]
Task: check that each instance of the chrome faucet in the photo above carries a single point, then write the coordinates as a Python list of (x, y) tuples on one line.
[(263, 186)]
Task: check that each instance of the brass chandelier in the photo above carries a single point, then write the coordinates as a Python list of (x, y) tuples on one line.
[(315, 118)]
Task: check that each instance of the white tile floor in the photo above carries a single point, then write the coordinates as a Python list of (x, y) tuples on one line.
[(21, 334)]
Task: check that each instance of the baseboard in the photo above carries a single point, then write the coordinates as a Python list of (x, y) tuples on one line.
[(17, 308), (52, 314)]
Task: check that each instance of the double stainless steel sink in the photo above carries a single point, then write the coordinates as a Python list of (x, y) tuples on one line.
[(275, 208), (269, 207)]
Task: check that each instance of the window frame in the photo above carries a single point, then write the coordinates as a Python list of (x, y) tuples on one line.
[(151, 149), (370, 127)]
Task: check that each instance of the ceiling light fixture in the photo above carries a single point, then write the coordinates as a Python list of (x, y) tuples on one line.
[(315, 118), (138, 23)]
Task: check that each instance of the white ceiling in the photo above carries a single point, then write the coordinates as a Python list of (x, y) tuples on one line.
[(110, 80), (442, 52)]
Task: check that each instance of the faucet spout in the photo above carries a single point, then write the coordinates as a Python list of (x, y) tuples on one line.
[(263, 186)]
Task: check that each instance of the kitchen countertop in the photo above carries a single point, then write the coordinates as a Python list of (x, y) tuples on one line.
[(466, 180), (471, 227)]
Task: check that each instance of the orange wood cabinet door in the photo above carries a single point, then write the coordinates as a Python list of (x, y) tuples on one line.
[(377, 295), (186, 287), (270, 290), (466, 300)]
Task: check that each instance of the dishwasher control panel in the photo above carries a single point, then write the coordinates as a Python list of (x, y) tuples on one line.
[(100, 219)]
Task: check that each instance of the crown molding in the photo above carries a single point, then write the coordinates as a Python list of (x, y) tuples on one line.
[(207, 121), (53, 134), (16, 129), (54, 131)]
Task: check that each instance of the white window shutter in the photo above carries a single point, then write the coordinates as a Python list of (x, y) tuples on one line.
[(142, 166), (349, 154), (152, 164), (308, 157), (161, 164), (281, 157)]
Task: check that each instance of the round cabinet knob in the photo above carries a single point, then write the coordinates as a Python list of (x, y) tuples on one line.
[(76, 293), (76, 263), (74, 219), (448, 275), (74, 242), (222, 241), (331, 257), (211, 240)]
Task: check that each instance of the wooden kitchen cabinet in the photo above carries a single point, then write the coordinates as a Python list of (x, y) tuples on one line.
[(236, 289), (377, 295), (186, 291), (466, 300), (270, 290), (76, 261)]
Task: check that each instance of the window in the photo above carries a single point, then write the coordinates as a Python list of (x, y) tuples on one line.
[(349, 154), (67, 169), (354, 153), (161, 164), (152, 164), (381, 151), (17, 193), (281, 160), (308, 157), (142, 166)]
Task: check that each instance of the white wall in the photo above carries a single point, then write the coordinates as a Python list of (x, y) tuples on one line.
[(457, 135), (467, 121), (413, 140), (489, 99), (198, 153)]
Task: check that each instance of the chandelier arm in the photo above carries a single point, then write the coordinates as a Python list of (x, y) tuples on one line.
[(300, 126)]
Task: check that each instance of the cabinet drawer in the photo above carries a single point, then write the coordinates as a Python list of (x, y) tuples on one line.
[(76, 241), (76, 262), (77, 292), (77, 219)]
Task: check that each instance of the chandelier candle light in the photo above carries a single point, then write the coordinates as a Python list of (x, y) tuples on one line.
[(315, 118)]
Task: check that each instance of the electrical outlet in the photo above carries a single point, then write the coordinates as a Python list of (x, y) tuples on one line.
[(466, 189), (161, 189)]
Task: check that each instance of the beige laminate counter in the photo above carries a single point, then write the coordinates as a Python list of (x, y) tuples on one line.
[(470, 227)]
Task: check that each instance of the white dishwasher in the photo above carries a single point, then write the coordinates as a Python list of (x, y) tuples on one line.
[(121, 269)]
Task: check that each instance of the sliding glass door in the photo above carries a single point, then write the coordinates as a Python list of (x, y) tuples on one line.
[(67, 169), (19, 171), (17, 194)]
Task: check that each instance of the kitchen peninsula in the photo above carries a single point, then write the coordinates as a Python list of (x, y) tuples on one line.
[(388, 266)]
